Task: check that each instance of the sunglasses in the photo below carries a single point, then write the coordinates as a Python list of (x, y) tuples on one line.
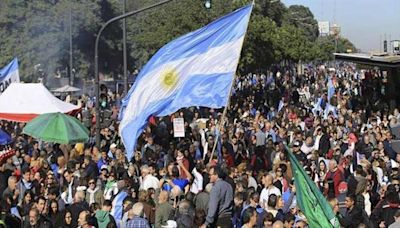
[(91, 183)]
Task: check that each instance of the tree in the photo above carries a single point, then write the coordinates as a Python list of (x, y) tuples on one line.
[(37, 32), (302, 17), (152, 29), (324, 47)]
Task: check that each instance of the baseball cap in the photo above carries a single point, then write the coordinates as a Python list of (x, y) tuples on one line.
[(342, 187)]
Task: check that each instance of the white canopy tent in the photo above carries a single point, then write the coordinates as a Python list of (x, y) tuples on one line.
[(22, 102), (66, 89)]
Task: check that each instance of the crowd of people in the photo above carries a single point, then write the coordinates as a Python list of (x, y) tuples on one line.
[(226, 172)]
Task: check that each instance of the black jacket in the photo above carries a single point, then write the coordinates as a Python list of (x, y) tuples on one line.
[(324, 145), (352, 219)]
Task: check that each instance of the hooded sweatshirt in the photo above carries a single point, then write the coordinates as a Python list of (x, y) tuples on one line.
[(103, 218)]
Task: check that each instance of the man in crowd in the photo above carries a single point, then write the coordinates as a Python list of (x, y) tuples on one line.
[(221, 200)]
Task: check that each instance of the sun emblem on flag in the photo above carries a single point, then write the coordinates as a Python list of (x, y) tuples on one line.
[(169, 78)]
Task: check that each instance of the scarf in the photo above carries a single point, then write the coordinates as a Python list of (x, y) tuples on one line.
[(91, 194), (109, 184)]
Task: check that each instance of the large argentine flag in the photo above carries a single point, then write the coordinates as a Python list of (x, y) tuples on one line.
[(8, 75), (196, 69)]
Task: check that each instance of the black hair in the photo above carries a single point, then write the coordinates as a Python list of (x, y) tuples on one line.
[(220, 172), (272, 200), (53, 191), (352, 197), (247, 214), (26, 170), (288, 217), (283, 167), (107, 203), (239, 195), (41, 198), (175, 171), (268, 217), (254, 195), (94, 206), (392, 196)]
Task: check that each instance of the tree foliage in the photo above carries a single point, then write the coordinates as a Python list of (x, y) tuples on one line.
[(37, 32)]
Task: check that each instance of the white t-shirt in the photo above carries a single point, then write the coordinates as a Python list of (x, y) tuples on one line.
[(197, 185), (266, 192), (252, 182), (306, 149)]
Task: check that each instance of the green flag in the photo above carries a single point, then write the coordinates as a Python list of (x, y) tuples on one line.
[(310, 199)]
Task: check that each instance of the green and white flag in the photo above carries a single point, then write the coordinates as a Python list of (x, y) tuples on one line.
[(310, 199)]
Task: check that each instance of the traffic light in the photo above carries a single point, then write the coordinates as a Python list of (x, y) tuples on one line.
[(207, 4)]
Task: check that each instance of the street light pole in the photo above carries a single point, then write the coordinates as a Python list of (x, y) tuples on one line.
[(71, 76), (96, 60), (124, 47)]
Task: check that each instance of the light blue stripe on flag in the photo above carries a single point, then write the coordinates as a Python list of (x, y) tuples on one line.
[(331, 89), (11, 67)]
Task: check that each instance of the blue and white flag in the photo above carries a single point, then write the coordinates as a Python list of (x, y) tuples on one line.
[(8, 75), (196, 69), (331, 89), (317, 107), (280, 105), (118, 208), (330, 109)]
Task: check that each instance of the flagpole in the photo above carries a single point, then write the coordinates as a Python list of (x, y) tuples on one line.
[(229, 98), (221, 123)]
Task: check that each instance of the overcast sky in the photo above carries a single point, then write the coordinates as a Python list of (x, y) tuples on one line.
[(364, 22)]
